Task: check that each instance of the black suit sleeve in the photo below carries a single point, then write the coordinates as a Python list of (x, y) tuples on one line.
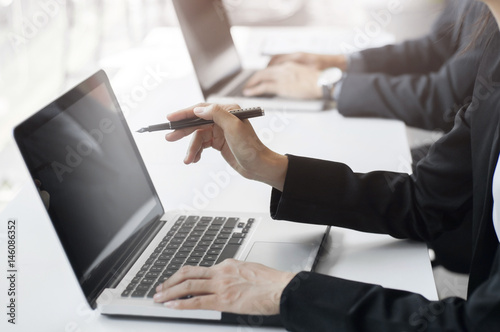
[(314, 302), (417, 207), (429, 101), (422, 82)]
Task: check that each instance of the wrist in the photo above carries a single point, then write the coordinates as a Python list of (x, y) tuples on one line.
[(338, 60), (273, 169)]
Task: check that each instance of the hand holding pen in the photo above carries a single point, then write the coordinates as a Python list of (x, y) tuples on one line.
[(235, 139)]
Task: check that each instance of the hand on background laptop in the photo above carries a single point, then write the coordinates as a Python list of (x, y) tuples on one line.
[(235, 139), (231, 286), (289, 80), (293, 75)]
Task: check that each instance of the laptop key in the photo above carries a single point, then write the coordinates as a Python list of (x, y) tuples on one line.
[(207, 263), (173, 267), (214, 251), (194, 259), (168, 273), (220, 241), (181, 255), (160, 263), (156, 268), (201, 248), (131, 286), (238, 235), (210, 258), (147, 281), (192, 219), (228, 252), (151, 293), (152, 274), (218, 221), (177, 240), (165, 256), (178, 260), (143, 287), (231, 222), (139, 293), (184, 230), (126, 293), (236, 241)]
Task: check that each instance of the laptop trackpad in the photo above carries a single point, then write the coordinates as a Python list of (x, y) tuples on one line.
[(292, 257)]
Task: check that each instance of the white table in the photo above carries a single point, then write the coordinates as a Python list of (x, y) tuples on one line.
[(49, 296)]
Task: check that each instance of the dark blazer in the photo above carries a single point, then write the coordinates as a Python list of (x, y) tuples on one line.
[(453, 180), (422, 82)]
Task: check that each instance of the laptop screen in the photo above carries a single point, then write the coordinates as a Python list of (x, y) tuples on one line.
[(206, 30), (91, 178)]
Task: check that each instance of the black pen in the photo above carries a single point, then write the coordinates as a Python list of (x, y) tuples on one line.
[(244, 113)]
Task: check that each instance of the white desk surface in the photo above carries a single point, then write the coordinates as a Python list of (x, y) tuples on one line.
[(49, 297)]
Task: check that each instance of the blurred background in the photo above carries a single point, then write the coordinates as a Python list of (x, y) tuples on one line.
[(46, 46)]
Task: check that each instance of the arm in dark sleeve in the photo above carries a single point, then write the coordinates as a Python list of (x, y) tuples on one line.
[(429, 101), (314, 302), (421, 55), (418, 207)]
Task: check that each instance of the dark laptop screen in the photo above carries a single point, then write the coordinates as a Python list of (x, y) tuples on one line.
[(206, 30), (82, 157)]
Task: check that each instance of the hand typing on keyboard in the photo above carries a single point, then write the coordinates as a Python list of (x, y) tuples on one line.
[(231, 286)]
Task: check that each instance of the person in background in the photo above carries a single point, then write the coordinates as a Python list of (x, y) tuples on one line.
[(422, 82)]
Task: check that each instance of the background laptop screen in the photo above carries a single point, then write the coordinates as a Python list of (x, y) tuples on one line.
[(206, 31), (80, 153)]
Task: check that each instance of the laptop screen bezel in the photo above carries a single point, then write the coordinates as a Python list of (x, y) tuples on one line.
[(93, 286)]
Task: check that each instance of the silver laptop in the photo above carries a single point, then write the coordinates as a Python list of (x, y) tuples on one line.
[(111, 223), (216, 62)]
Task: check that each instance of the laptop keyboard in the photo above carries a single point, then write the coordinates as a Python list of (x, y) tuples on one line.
[(192, 240)]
